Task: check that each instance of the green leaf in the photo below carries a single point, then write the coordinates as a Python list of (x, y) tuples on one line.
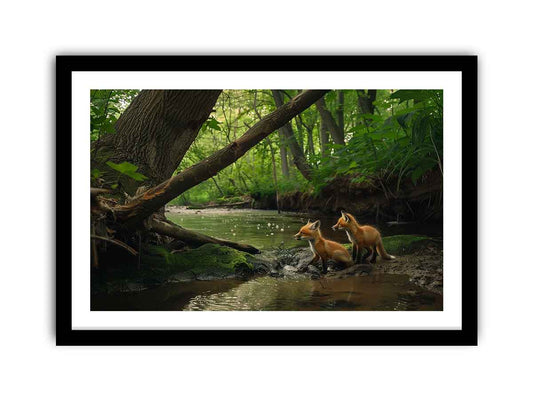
[(127, 169), (403, 119), (109, 127), (418, 95), (213, 124)]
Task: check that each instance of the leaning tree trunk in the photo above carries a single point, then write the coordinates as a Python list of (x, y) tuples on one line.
[(155, 132), (141, 207), (296, 150), (325, 115)]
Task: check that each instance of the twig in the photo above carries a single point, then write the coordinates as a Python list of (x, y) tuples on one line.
[(116, 242)]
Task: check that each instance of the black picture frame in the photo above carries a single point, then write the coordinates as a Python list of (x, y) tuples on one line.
[(65, 335)]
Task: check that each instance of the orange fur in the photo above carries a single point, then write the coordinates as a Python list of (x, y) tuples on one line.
[(322, 248), (362, 237)]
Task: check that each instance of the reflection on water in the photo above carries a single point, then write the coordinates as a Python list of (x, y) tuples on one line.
[(266, 229), (374, 292)]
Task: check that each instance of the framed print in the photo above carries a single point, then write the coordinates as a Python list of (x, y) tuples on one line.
[(266, 200)]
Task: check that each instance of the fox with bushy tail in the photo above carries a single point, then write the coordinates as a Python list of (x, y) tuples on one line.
[(362, 237)]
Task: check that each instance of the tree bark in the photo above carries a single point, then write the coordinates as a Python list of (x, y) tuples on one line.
[(274, 172), (157, 129), (340, 111), (308, 134), (366, 100), (324, 139), (336, 134), (143, 206), (283, 155), (295, 148)]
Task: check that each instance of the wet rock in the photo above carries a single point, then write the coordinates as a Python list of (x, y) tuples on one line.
[(132, 287), (312, 269), (184, 276), (264, 263), (290, 271)]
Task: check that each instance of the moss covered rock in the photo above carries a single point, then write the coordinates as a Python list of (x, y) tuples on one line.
[(402, 244), (209, 261)]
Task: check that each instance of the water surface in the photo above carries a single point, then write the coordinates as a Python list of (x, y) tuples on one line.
[(266, 229), (374, 292)]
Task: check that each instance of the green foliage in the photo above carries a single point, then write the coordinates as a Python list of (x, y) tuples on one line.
[(403, 140), (127, 169), (106, 107)]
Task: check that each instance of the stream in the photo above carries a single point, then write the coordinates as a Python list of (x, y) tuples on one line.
[(266, 230)]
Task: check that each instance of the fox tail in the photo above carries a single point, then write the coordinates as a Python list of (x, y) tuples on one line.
[(382, 252)]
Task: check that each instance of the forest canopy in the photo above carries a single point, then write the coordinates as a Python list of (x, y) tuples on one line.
[(389, 140)]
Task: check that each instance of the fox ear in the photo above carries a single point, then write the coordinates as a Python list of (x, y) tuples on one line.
[(346, 218), (315, 225), (308, 222)]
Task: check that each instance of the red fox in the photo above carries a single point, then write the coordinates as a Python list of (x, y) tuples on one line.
[(362, 237), (323, 249)]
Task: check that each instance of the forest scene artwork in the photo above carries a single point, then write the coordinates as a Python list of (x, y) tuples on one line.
[(266, 200)]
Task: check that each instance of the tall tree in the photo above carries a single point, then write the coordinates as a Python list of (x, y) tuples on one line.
[(365, 99), (295, 147), (285, 171), (300, 124), (156, 130), (340, 110), (327, 119), (324, 139)]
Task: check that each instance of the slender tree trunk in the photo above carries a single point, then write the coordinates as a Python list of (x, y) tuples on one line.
[(295, 148), (325, 115), (307, 132), (156, 130), (141, 207), (274, 172), (310, 143), (366, 100), (340, 111), (218, 187), (283, 155), (324, 139)]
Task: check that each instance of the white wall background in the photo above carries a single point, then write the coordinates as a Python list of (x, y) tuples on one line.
[(33, 32)]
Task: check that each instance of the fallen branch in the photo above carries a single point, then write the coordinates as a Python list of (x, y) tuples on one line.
[(150, 201), (221, 205), (194, 238), (117, 243)]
